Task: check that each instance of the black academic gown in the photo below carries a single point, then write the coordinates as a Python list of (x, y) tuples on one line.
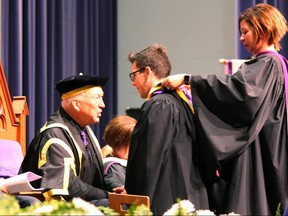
[(57, 154), (242, 124), (115, 172), (162, 163)]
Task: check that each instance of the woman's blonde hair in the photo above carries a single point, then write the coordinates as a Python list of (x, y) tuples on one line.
[(266, 22)]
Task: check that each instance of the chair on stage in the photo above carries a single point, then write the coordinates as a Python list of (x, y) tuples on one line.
[(13, 113), (12, 129)]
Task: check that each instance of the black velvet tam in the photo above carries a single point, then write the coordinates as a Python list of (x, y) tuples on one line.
[(74, 82)]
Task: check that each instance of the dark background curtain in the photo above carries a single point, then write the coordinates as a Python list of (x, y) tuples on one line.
[(45, 41), (281, 5)]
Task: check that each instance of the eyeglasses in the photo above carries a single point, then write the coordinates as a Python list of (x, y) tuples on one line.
[(132, 75)]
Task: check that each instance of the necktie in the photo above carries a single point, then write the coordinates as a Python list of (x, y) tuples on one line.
[(84, 138)]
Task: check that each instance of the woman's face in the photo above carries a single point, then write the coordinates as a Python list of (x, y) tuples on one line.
[(248, 40), (246, 36)]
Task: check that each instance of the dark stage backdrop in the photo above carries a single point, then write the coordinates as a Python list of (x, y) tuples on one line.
[(44, 41), (282, 6)]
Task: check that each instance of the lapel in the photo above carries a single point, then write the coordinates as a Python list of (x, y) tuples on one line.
[(95, 144)]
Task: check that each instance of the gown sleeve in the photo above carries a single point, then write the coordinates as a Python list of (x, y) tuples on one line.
[(232, 109), (57, 162)]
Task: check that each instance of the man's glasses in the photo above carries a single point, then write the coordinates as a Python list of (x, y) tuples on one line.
[(132, 75)]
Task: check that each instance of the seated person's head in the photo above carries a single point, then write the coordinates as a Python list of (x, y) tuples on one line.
[(118, 133)]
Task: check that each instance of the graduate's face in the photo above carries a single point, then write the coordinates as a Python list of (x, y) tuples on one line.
[(248, 39), (91, 106), (141, 81)]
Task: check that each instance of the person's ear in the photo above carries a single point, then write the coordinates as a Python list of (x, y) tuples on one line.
[(148, 70), (76, 104)]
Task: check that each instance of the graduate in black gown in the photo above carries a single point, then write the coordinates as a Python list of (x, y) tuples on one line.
[(162, 163), (241, 120), (65, 152)]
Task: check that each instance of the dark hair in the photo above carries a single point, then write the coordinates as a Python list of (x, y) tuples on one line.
[(118, 131), (155, 57), (266, 21)]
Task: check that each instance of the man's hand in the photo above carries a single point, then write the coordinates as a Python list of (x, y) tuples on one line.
[(3, 189), (120, 190)]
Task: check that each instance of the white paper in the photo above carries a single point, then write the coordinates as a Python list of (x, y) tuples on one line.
[(20, 183)]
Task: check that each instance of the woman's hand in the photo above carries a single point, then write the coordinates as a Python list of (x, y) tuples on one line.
[(174, 81)]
